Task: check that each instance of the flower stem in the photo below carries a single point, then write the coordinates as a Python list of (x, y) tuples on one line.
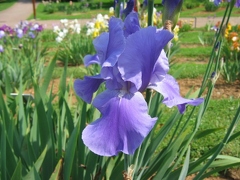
[(150, 12)]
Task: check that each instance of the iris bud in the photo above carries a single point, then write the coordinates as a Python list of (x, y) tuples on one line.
[(171, 11)]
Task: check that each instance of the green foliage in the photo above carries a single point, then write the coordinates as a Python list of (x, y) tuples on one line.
[(75, 48), (15, 61), (210, 6), (190, 4), (229, 49), (4, 4), (49, 8), (206, 38)]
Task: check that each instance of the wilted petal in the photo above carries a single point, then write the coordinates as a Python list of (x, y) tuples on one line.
[(131, 24), (169, 88), (123, 125), (86, 87), (143, 48)]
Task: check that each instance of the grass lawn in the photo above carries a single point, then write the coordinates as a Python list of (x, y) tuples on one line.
[(87, 14), (201, 12), (219, 115), (6, 4), (195, 12)]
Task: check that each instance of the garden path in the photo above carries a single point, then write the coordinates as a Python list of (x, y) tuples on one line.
[(22, 9)]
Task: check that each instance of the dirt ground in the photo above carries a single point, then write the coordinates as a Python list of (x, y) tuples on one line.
[(222, 88)]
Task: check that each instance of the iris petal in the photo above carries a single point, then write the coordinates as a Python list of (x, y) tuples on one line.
[(123, 126), (100, 45), (91, 59), (161, 68), (115, 47), (131, 24), (169, 88), (86, 87), (137, 62)]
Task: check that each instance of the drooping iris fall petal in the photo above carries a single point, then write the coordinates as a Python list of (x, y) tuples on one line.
[(123, 126), (169, 88), (86, 87)]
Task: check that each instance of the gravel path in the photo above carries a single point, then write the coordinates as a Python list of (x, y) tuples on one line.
[(22, 9)]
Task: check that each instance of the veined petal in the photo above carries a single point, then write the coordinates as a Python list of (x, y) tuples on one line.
[(115, 46), (91, 59), (131, 24), (161, 68), (100, 45), (86, 87), (169, 88), (143, 48), (123, 125)]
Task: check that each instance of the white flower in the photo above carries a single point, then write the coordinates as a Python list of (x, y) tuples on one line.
[(56, 29), (100, 17), (90, 32), (59, 39), (111, 10), (61, 34), (106, 17), (233, 39), (65, 31)]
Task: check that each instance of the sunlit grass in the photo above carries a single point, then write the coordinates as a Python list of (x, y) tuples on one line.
[(6, 4)]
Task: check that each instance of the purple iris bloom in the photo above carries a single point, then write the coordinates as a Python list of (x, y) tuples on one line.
[(171, 8), (1, 48), (217, 2), (130, 62), (129, 8), (31, 35), (2, 34), (19, 33), (7, 29)]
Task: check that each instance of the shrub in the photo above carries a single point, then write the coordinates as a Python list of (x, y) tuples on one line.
[(210, 6), (191, 4), (184, 26), (49, 8)]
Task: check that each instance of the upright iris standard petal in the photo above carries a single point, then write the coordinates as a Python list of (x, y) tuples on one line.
[(123, 126), (137, 62), (169, 88), (131, 24), (86, 87), (128, 9), (115, 47), (100, 45)]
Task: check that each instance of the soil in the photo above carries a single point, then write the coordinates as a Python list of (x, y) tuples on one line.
[(222, 88)]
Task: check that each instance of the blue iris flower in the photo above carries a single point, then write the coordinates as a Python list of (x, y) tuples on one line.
[(131, 59), (217, 2)]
